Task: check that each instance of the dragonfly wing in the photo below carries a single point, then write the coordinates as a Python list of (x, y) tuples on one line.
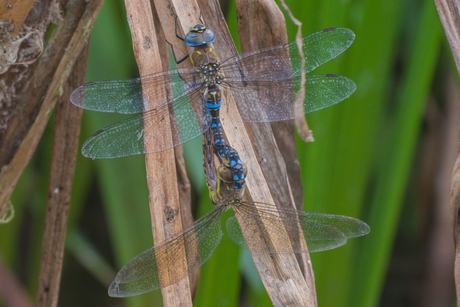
[(260, 101), (280, 229), (283, 62), (126, 97), (349, 226), (164, 264), (320, 47), (322, 91), (187, 117)]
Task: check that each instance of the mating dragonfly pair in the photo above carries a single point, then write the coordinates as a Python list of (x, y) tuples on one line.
[(262, 83), (164, 264)]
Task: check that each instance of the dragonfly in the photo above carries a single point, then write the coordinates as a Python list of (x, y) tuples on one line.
[(165, 263), (262, 82)]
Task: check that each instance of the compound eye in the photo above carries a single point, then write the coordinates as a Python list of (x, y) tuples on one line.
[(193, 40), (208, 36)]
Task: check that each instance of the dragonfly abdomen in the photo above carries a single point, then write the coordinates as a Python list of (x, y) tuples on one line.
[(226, 154)]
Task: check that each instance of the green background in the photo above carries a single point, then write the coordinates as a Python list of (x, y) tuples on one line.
[(368, 161)]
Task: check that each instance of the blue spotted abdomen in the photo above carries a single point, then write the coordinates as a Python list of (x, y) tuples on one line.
[(226, 154)]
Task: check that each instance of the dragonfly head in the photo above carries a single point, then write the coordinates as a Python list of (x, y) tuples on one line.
[(199, 35)]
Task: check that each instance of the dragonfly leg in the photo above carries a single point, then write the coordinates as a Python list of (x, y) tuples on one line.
[(179, 37), (190, 85), (175, 25), (174, 54), (201, 15)]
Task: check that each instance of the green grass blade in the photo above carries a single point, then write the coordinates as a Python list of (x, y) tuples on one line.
[(336, 168), (122, 181), (219, 276), (394, 171)]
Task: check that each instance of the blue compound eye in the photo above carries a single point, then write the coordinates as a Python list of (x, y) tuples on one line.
[(193, 40), (208, 36)]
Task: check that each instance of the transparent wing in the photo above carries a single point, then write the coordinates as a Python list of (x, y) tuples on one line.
[(163, 264), (251, 77), (126, 97), (264, 101), (279, 229), (187, 117), (283, 62)]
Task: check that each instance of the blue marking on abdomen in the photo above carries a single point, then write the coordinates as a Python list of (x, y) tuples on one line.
[(213, 106)]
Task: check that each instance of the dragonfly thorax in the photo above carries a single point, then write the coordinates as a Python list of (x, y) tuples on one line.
[(203, 56), (211, 74)]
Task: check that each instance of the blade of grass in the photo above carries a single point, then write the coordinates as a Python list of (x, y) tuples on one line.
[(63, 160), (349, 157), (20, 239), (219, 278), (394, 170), (337, 166), (125, 201), (89, 257)]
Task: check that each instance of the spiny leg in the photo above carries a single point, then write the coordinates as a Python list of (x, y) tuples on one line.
[(179, 37)]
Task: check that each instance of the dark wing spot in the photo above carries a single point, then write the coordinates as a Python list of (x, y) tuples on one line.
[(98, 132)]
